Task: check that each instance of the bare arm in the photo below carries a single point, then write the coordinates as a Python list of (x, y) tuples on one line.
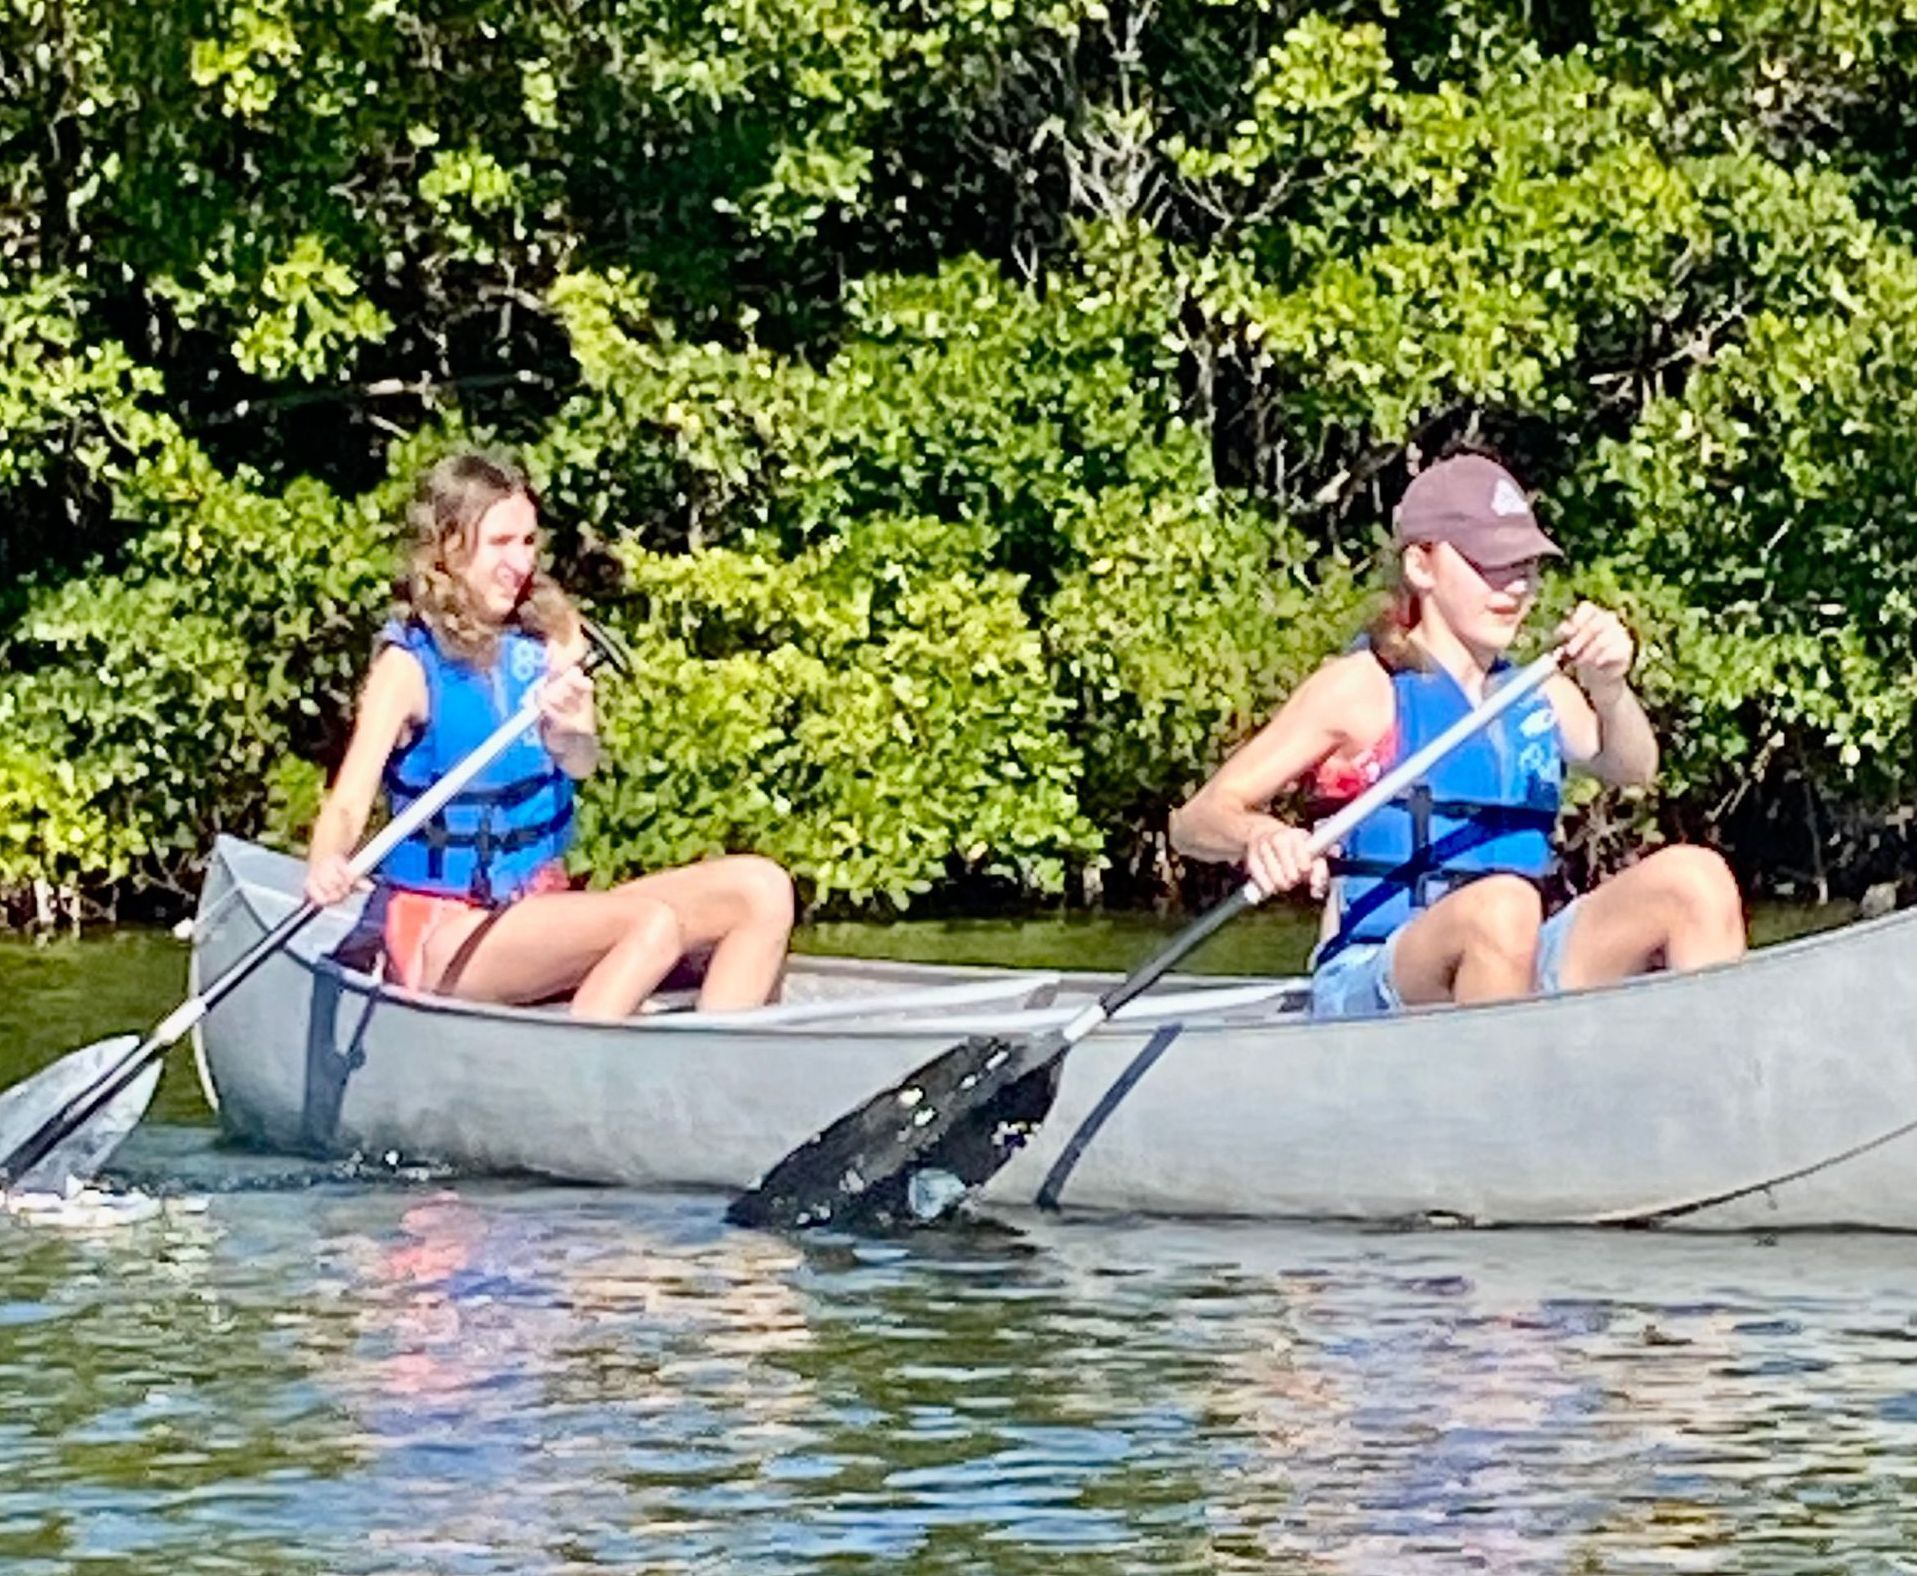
[(1603, 727), (1607, 736), (1346, 704), (393, 702)]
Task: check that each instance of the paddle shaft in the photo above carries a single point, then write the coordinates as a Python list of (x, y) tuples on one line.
[(1324, 837), (89, 1102)]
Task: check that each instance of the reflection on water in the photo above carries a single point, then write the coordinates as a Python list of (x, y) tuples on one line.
[(481, 1378)]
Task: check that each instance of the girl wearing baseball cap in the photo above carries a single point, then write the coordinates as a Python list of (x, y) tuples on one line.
[(1436, 897)]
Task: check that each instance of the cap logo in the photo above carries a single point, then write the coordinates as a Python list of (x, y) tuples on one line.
[(1506, 499)]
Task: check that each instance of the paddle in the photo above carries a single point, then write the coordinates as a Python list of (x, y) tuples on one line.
[(909, 1154), (67, 1118)]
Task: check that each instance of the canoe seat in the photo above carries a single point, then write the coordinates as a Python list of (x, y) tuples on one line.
[(1008, 993)]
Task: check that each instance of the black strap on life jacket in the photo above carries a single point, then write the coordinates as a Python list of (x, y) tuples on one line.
[(486, 840), (506, 797), (1429, 859), (1426, 871)]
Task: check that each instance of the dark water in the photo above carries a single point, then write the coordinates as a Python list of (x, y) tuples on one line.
[(350, 1376)]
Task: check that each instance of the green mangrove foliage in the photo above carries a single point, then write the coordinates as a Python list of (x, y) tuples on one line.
[(976, 415)]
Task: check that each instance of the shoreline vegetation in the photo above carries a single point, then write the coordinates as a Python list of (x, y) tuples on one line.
[(975, 417)]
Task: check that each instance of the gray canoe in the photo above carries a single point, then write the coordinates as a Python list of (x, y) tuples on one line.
[(1777, 1092)]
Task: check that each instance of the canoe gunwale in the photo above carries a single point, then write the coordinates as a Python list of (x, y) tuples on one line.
[(268, 905), (1702, 982)]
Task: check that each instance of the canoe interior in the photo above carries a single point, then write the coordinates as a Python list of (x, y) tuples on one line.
[(958, 997)]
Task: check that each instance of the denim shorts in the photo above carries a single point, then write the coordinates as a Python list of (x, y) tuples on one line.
[(1357, 982)]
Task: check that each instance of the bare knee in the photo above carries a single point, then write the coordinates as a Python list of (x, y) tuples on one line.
[(762, 890), (1699, 895), (1480, 943), (1698, 881), (651, 926), (1502, 914)]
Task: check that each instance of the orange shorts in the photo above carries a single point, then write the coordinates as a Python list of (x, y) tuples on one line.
[(413, 917)]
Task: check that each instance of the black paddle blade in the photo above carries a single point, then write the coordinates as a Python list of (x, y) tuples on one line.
[(910, 1155)]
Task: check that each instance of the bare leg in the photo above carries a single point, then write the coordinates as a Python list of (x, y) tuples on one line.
[(608, 949), (611, 949), (740, 907), (1479, 943), (1677, 908)]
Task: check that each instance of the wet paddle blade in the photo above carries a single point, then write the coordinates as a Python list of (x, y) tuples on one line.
[(908, 1156), (30, 1104)]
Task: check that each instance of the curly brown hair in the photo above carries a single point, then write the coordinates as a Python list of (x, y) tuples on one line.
[(448, 504)]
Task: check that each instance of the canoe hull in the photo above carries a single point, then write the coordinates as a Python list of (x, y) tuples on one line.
[(1796, 1068)]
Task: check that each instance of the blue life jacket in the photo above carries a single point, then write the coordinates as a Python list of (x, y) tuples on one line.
[(1490, 806), (489, 840)]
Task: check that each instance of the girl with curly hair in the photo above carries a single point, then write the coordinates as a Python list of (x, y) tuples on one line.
[(476, 903)]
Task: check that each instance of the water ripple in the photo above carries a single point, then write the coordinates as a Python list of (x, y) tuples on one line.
[(460, 1377)]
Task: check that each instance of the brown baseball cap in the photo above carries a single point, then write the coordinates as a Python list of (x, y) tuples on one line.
[(1477, 506)]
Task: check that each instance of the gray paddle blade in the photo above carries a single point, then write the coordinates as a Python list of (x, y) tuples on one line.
[(30, 1104), (909, 1156)]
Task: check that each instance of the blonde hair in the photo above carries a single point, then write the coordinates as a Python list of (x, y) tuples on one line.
[(448, 503)]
